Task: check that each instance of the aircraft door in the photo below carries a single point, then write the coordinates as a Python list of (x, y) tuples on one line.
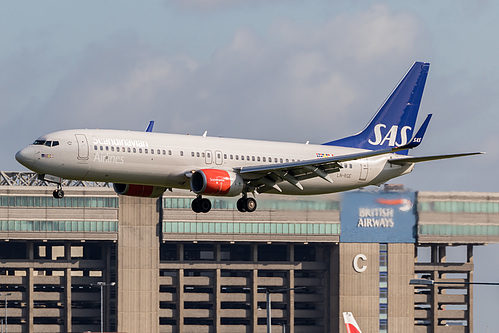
[(218, 157), (364, 169), (82, 142), (207, 157)]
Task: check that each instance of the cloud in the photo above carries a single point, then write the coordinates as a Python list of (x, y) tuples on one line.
[(210, 5), (292, 83)]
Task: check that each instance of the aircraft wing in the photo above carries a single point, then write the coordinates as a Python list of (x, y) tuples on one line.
[(405, 160), (265, 177)]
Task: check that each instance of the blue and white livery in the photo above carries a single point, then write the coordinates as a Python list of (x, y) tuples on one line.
[(146, 163)]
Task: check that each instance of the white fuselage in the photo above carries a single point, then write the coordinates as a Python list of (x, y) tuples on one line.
[(164, 159)]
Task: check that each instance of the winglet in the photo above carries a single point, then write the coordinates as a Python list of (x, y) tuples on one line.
[(150, 126), (418, 138)]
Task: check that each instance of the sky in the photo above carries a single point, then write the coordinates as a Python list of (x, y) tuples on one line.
[(292, 70)]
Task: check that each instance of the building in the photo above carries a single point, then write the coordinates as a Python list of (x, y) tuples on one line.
[(177, 271)]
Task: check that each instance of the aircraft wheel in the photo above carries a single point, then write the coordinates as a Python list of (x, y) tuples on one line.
[(241, 205), (196, 205), (250, 205), (58, 194), (205, 205)]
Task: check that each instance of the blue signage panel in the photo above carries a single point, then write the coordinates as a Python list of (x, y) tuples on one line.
[(378, 217)]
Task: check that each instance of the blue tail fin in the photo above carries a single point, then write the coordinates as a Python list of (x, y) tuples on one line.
[(394, 122), (150, 126)]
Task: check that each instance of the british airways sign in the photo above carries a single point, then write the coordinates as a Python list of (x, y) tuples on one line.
[(384, 217)]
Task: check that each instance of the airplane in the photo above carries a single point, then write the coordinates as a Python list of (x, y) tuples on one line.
[(350, 323), (146, 164)]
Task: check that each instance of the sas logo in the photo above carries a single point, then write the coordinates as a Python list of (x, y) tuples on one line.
[(405, 204), (390, 136)]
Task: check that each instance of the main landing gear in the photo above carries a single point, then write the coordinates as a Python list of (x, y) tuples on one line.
[(203, 205), (246, 204)]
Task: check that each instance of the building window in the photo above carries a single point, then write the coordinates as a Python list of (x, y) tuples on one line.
[(383, 288)]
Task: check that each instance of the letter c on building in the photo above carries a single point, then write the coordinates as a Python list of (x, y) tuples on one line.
[(362, 267)]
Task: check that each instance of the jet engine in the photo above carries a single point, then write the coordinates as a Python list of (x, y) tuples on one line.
[(145, 191), (216, 182)]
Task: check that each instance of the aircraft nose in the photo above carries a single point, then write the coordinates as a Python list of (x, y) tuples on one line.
[(26, 156)]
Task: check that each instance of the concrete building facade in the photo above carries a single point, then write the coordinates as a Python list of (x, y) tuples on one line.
[(177, 271)]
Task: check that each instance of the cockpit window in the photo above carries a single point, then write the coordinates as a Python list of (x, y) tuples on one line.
[(46, 143)]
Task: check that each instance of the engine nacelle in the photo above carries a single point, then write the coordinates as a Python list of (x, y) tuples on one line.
[(145, 191), (216, 182)]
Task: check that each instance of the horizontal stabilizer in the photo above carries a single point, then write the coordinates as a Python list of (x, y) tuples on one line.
[(405, 160)]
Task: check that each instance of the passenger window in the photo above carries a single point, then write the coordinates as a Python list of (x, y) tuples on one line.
[(169, 152), (275, 160), (140, 150), (281, 160), (258, 158), (287, 160), (181, 153), (231, 156), (351, 166), (242, 157), (164, 152), (128, 149), (197, 154), (247, 158), (264, 159), (208, 155), (112, 148), (158, 152), (101, 148), (134, 150), (95, 147), (237, 157), (146, 150), (107, 148), (152, 151), (219, 156), (192, 154)]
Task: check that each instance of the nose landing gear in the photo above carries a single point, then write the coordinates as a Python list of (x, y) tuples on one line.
[(59, 192)]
